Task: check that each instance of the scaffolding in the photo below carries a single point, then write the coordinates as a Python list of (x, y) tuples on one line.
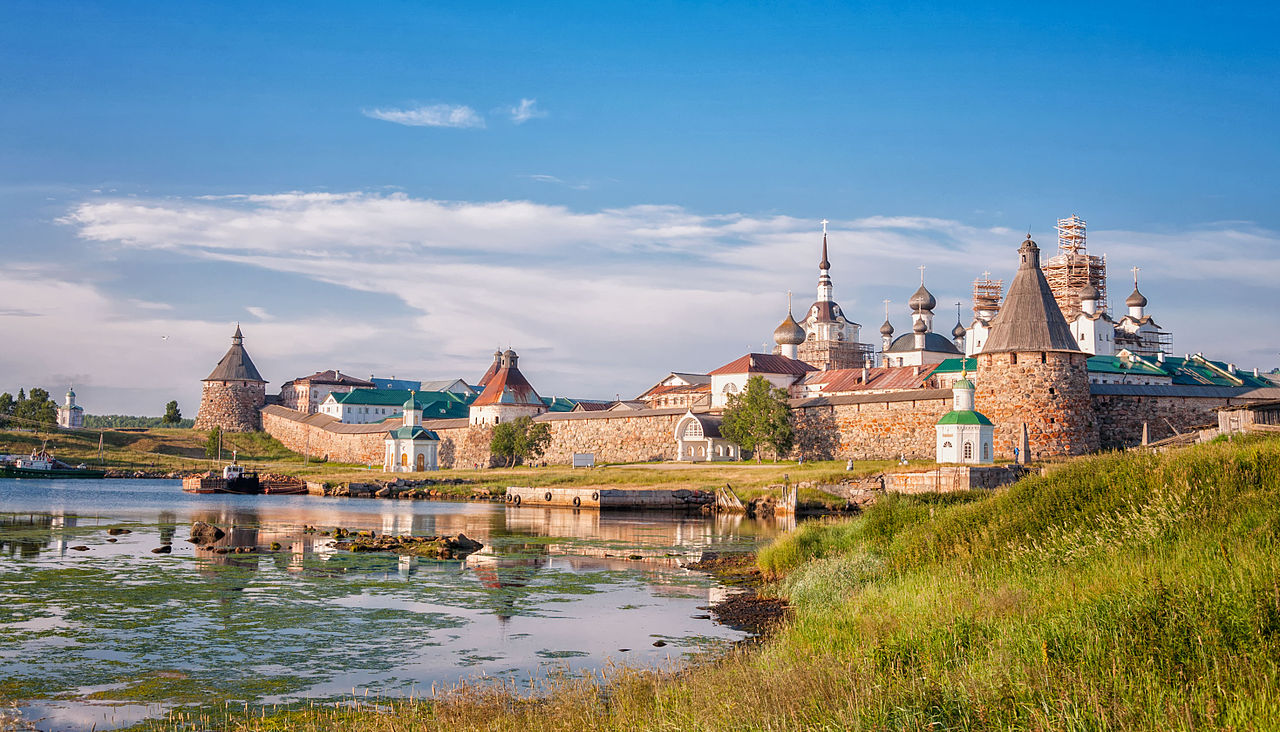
[(987, 294), (1073, 268)]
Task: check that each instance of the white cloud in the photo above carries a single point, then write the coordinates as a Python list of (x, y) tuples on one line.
[(526, 110), (259, 313), (606, 301), (433, 115)]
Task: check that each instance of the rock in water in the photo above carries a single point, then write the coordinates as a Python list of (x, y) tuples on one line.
[(81, 548), (164, 549), (202, 533), (117, 532)]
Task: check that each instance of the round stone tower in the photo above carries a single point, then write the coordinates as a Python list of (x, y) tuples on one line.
[(1030, 372), (234, 393)]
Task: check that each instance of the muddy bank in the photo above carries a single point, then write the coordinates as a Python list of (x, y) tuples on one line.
[(746, 609)]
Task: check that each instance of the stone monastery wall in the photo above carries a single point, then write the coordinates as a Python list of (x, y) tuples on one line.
[(319, 435), (862, 427), (870, 427), (1121, 416)]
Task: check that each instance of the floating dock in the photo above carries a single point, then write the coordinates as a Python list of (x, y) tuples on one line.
[(609, 498)]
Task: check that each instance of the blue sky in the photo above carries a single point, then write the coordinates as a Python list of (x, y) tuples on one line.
[(615, 191)]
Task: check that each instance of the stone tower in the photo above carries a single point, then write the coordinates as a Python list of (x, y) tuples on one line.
[(507, 395), (1031, 372), (234, 393)]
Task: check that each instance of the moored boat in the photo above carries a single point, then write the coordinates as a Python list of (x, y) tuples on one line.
[(40, 464), (234, 479)]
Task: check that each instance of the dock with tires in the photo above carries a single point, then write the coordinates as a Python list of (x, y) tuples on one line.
[(608, 498)]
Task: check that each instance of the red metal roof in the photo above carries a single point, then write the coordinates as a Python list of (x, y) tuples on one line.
[(765, 363), (508, 386), (839, 381)]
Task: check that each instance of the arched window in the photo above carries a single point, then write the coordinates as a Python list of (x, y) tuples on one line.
[(986, 451), (947, 443), (730, 388), (968, 451), (404, 459)]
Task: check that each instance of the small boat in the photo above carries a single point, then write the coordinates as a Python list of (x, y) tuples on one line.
[(234, 479), (41, 464)]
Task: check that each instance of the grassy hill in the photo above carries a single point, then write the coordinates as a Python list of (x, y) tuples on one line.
[(1122, 591)]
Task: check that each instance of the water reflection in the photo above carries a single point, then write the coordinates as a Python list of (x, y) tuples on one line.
[(273, 600)]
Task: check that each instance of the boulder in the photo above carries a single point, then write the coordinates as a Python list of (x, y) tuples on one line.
[(162, 549), (202, 533), (117, 532)]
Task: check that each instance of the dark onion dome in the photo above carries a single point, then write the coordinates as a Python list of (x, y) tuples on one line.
[(934, 342), (1088, 292), (922, 300), (1136, 300), (920, 327), (886, 329), (958, 331), (788, 333), (824, 264)]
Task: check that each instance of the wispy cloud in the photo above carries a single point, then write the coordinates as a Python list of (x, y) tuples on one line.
[(541, 276), (433, 115), (259, 313), (526, 110), (544, 178)]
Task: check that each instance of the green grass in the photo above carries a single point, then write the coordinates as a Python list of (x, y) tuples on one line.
[(1131, 591)]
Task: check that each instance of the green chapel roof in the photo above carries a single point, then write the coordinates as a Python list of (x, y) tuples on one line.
[(967, 416)]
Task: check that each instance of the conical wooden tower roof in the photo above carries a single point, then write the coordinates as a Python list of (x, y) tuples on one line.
[(1030, 319), (236, 364)]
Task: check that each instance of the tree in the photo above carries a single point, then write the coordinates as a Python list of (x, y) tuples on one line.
[(759, 417), (520, 440), (6, 407), (35, 408), (214, 443), (172, 415)]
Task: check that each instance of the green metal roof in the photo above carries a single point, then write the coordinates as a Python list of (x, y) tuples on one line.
[(957, 365), (1115, 365), (434, 404), (561, 404), (413, 433), (966, 417)]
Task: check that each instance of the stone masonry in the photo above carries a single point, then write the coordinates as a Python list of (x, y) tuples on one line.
[(231, 405), (1121, 417), (1048, 391)]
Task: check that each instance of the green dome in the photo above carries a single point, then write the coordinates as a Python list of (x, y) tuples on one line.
[(963, 384), (965, 417)]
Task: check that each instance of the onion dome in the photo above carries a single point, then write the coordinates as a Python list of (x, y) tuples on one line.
[(922, 300), (1088, 292), (920, 327), (788, 333), (409, 403), (958, 331), (886, 329), (1136, 300), (824, 264)]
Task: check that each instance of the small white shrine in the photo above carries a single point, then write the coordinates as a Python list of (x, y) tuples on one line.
[(411, 448), (964, 434)]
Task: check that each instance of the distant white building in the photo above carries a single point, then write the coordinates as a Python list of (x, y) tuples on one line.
[(731, 378), (70, 414), (698, 439)]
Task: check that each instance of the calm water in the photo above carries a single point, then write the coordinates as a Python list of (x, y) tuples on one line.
[(114, 634)]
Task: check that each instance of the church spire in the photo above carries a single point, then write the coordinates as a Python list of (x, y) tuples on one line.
[(824, 265)]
